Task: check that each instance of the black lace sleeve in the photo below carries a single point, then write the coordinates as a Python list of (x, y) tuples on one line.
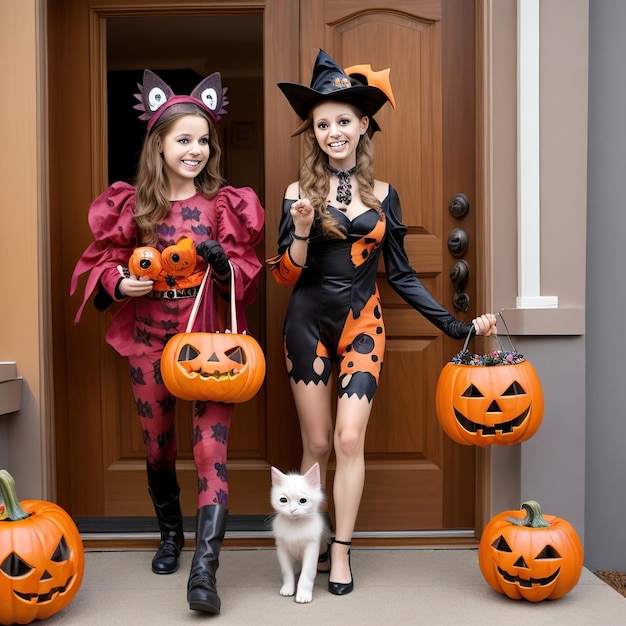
[(403, 278)]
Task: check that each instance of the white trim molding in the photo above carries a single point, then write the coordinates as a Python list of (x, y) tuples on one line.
[(529, 162)]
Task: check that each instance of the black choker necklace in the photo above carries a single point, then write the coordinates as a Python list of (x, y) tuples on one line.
[(344, 188)]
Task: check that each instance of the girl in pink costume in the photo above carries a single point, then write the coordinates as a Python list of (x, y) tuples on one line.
[(179, 192)]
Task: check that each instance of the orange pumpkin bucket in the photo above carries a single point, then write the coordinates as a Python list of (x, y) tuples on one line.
[(490, 399), (221, 367)]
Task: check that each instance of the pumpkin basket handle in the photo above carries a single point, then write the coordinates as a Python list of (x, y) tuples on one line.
[(196, 304), (472, 332)]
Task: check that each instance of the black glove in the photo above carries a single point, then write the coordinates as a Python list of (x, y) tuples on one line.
[(211, 251), (102, 300)]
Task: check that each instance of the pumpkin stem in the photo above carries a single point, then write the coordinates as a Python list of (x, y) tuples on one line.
[(14, 512), (533, 519)]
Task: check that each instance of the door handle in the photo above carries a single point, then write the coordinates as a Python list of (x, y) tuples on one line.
[(459, 275), (458, 241), (459, 205)]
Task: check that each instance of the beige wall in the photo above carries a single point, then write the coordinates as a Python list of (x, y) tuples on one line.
[(22, 180), (563, 164)]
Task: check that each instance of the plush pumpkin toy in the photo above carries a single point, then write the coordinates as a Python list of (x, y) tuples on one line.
[(530, 556), (180, 258), (41, 557), (175, 267), (145, 261), (492, 399)]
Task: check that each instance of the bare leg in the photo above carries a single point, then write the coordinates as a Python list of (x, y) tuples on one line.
[(316, 424), (351, 424), (313, 403)]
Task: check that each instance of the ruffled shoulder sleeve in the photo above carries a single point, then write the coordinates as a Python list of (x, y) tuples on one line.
[(240, 219), (112, 223)]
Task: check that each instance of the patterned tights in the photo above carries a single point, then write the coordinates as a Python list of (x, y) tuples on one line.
[(211, 425)]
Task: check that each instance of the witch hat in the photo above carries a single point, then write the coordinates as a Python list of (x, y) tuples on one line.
[(331, 82)]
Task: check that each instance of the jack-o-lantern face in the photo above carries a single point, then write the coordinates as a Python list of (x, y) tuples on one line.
[(179, 259), (222, 367), (41, 563), (536, 557), (483, 405)]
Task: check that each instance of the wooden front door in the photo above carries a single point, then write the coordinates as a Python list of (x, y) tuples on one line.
[(416, 478)]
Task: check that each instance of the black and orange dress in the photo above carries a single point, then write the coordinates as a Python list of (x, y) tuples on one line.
[(334, 314)]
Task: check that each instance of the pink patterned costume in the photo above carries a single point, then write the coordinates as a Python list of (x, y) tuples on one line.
[(142, 326)]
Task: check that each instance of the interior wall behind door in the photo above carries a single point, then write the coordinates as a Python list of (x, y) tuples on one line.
[(182, 50), (101, 456)]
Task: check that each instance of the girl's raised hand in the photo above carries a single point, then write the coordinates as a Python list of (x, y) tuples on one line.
[(302, 214)]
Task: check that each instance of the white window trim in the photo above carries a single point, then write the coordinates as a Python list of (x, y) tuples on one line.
[(529, 165)]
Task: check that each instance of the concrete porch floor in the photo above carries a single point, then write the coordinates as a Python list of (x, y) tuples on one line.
[(396, 586)]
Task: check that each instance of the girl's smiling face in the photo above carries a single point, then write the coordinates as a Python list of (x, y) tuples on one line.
[(338, 127), (185, 150)]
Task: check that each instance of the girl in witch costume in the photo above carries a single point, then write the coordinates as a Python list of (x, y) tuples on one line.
[(179, 195), (337, 220)]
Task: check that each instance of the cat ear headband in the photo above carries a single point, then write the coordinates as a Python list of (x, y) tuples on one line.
[(155, 97)]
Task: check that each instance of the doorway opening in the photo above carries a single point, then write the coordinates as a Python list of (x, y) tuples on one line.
[(181, 50)]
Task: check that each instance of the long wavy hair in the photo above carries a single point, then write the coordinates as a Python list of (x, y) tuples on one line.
[(315, 178), (151, 201)]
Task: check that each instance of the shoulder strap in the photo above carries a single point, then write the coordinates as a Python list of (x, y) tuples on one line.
[(233, 307)]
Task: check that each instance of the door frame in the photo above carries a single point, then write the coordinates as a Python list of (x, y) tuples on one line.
[(282, 17), (274, 190)]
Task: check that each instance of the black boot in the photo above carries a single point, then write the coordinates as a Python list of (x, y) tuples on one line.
[(164, 491), (201, 590)]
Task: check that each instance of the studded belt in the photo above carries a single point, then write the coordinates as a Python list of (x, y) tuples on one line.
[(175, 294)]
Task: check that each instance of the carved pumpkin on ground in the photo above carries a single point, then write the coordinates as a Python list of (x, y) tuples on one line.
[(222, 367), (530, 556), (492, 399), (41, 557)]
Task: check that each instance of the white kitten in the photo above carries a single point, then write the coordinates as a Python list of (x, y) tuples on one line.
[(299, 528)]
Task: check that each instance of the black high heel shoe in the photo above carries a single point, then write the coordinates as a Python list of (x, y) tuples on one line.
[(341, 589), (324, 557)]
